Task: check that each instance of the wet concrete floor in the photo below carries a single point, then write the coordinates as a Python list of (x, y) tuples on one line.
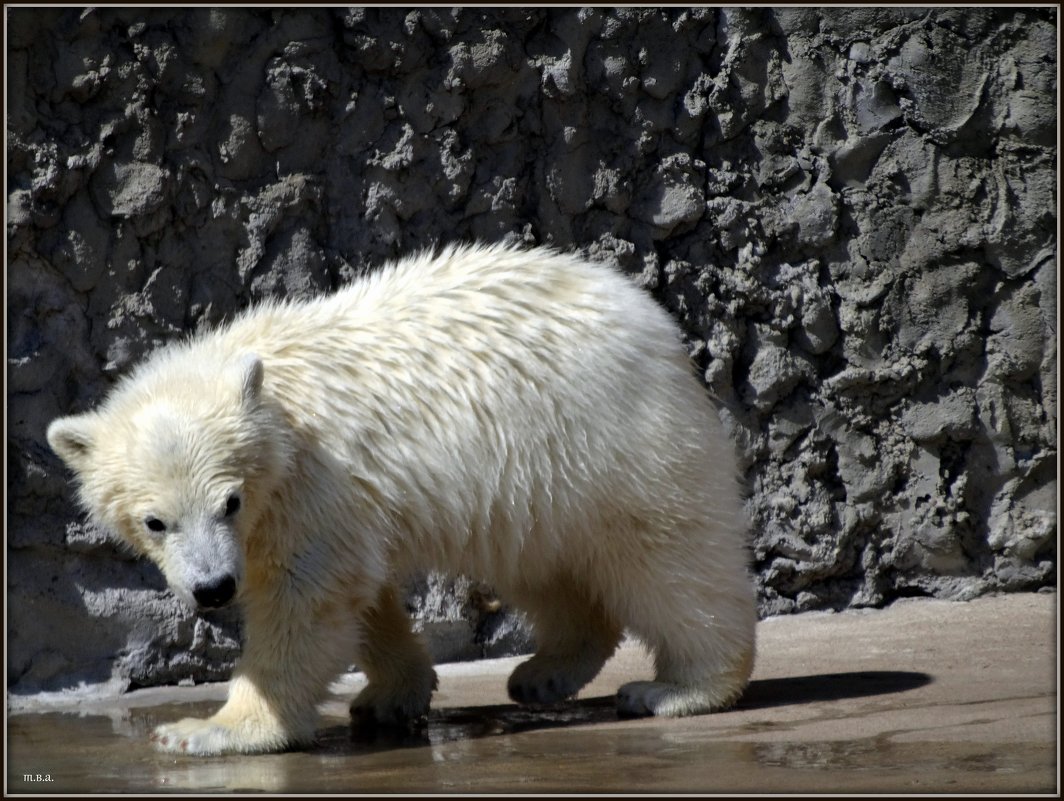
[(926, 696)]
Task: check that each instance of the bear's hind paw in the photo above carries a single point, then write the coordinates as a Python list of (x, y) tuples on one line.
[(640, 698)]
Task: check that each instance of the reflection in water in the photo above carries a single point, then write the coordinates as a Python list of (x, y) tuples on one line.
[(112, 754), (580, 746)]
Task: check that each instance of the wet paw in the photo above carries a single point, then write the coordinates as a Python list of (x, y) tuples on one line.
[(205, 737), (192, 736)]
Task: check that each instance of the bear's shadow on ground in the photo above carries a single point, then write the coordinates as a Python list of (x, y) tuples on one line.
[(465, 723)]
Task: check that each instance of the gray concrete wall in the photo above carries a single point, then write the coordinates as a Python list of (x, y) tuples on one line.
[(851, 212)]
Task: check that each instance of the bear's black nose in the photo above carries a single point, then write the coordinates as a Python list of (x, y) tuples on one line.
[(212, 596)]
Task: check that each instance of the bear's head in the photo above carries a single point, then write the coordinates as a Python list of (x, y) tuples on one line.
[(177, 463)]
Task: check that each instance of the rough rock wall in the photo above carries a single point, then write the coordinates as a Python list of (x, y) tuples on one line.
[(851, 212)]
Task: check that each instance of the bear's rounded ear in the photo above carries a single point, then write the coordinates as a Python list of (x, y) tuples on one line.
[(73, 439), (250, 377)]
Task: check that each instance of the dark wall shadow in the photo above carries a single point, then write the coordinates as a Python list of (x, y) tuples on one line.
[(464, 723)]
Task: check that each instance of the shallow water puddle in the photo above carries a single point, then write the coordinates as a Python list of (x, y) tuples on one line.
[(580, 746)]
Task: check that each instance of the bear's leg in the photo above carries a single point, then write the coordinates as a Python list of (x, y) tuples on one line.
[(397, 664), (290, 656), (702, 639), (574, 638)]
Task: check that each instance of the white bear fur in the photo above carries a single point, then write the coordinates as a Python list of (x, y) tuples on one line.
[(520, 416)]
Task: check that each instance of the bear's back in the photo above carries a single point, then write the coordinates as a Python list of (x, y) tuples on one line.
[(484, 398)]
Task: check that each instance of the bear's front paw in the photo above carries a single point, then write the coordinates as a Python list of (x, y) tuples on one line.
[(192, 736), (207, 737)]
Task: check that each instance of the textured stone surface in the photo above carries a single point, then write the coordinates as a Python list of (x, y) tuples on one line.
[(852, 215)]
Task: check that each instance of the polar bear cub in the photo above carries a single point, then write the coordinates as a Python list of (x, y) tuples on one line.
[(520, 416)]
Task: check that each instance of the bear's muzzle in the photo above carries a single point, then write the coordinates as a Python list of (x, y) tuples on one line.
[(216, 594)]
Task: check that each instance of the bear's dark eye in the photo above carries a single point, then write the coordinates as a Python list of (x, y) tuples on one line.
[(155, 524), (232, 506)]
